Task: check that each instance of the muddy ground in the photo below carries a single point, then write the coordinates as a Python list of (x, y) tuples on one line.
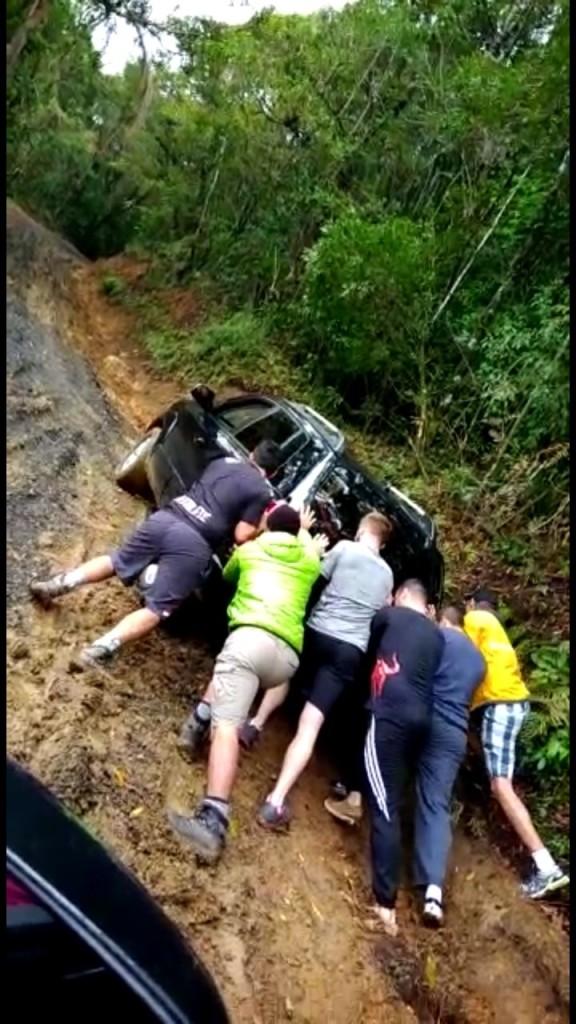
[(282, 923)]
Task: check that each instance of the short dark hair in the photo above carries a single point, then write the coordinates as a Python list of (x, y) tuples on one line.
[(415, 587), (453, 613), (284, 519), (267, 456), (483, 596)]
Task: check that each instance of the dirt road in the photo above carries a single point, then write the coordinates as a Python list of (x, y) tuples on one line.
[(282, 923)]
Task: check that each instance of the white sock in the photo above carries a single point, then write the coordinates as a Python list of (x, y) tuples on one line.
[(73, 579), (544, 861), (203, 711), (354, 798), (433, 892)]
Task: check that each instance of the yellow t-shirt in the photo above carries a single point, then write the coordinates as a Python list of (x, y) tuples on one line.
[(503, 680)]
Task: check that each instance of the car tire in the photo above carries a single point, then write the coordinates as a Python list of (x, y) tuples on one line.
[(131, 475)]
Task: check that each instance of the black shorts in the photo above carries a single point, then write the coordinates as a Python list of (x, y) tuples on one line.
[(328, 667), (181, 554)]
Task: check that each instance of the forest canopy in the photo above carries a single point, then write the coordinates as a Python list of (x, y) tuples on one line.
[(381, 193)]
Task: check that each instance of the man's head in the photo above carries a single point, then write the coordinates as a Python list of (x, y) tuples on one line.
[(482, 598), (452, 616), (283, 519), (412, 594), (266, 457), (375, 528)]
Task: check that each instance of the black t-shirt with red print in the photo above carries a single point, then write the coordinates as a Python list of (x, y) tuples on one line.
[(404, 653)]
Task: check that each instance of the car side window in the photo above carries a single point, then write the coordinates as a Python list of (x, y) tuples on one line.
[(274, 426), (237, 417)]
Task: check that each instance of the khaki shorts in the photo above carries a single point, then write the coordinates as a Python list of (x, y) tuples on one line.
[(250, 658)]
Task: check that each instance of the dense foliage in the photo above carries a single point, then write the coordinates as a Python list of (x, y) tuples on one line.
[(377, 202)]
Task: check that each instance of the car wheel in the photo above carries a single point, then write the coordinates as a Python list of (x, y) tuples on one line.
[(131, 475)]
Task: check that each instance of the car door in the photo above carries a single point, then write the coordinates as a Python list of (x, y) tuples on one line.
[(252, 420)]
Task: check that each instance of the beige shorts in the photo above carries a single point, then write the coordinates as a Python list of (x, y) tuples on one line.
[(250, 658)]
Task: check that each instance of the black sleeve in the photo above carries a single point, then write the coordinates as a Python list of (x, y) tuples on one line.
[(378, 628), (315, 594), (254, 502)]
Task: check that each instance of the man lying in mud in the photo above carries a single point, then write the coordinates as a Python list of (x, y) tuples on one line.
[(500, 707), (273, 576), (226, 503)]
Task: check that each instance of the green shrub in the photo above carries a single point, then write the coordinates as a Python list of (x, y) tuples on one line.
[(545, 740), (113, 287)]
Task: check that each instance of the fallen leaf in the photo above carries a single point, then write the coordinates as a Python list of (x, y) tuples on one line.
[(136, 812), (470, 876), (119, 776), (430, 972)]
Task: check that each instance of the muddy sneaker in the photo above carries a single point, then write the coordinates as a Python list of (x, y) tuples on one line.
[(45, 591), (192, 736), (205, 831), (544, 882), (432, 914), (348, 810), (274, 818), (249, 735), (95, 656)]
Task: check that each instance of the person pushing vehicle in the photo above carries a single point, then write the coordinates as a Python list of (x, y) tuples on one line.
[(226, 502), (274, 576)]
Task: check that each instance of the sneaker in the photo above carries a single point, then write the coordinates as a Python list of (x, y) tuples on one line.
[(205, 831), (274, 818), (95, 656), (45, 591), (543, 882), (344, 810), (339, 790), (192, 736), (249, 735), (432, 914)]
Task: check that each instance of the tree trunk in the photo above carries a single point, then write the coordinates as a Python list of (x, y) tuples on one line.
[(35, 15)]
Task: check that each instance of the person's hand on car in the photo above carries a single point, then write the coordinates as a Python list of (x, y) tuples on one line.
[(321, 543), (307, 518)]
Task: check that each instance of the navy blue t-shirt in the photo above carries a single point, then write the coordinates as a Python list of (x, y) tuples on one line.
[(228, 492), (404, 653), (461, 669)]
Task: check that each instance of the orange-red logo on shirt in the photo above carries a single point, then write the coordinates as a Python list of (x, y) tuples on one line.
[(382, 669)]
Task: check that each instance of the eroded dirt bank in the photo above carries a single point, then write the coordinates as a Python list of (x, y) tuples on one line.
[(282, 922)]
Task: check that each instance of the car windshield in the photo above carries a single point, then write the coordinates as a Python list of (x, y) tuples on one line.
[(327, 430)]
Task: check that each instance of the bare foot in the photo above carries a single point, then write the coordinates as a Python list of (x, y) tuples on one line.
[(387, 918)]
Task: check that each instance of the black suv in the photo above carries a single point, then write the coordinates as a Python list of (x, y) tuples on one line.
[(315, 470)]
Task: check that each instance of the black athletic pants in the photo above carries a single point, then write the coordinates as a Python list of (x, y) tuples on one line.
[(393, 746), (438, 766)]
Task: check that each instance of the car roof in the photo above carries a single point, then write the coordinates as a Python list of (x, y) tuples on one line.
[(77, 880)]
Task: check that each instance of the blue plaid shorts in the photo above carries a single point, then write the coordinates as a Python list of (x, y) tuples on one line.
[(501, 724)]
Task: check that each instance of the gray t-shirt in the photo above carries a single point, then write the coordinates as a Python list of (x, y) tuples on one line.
[(359, 583)]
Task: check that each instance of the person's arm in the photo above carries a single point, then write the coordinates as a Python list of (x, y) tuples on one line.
[(244, 531), (231, 570), (377, 630), (251, 516), (330, 561)]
